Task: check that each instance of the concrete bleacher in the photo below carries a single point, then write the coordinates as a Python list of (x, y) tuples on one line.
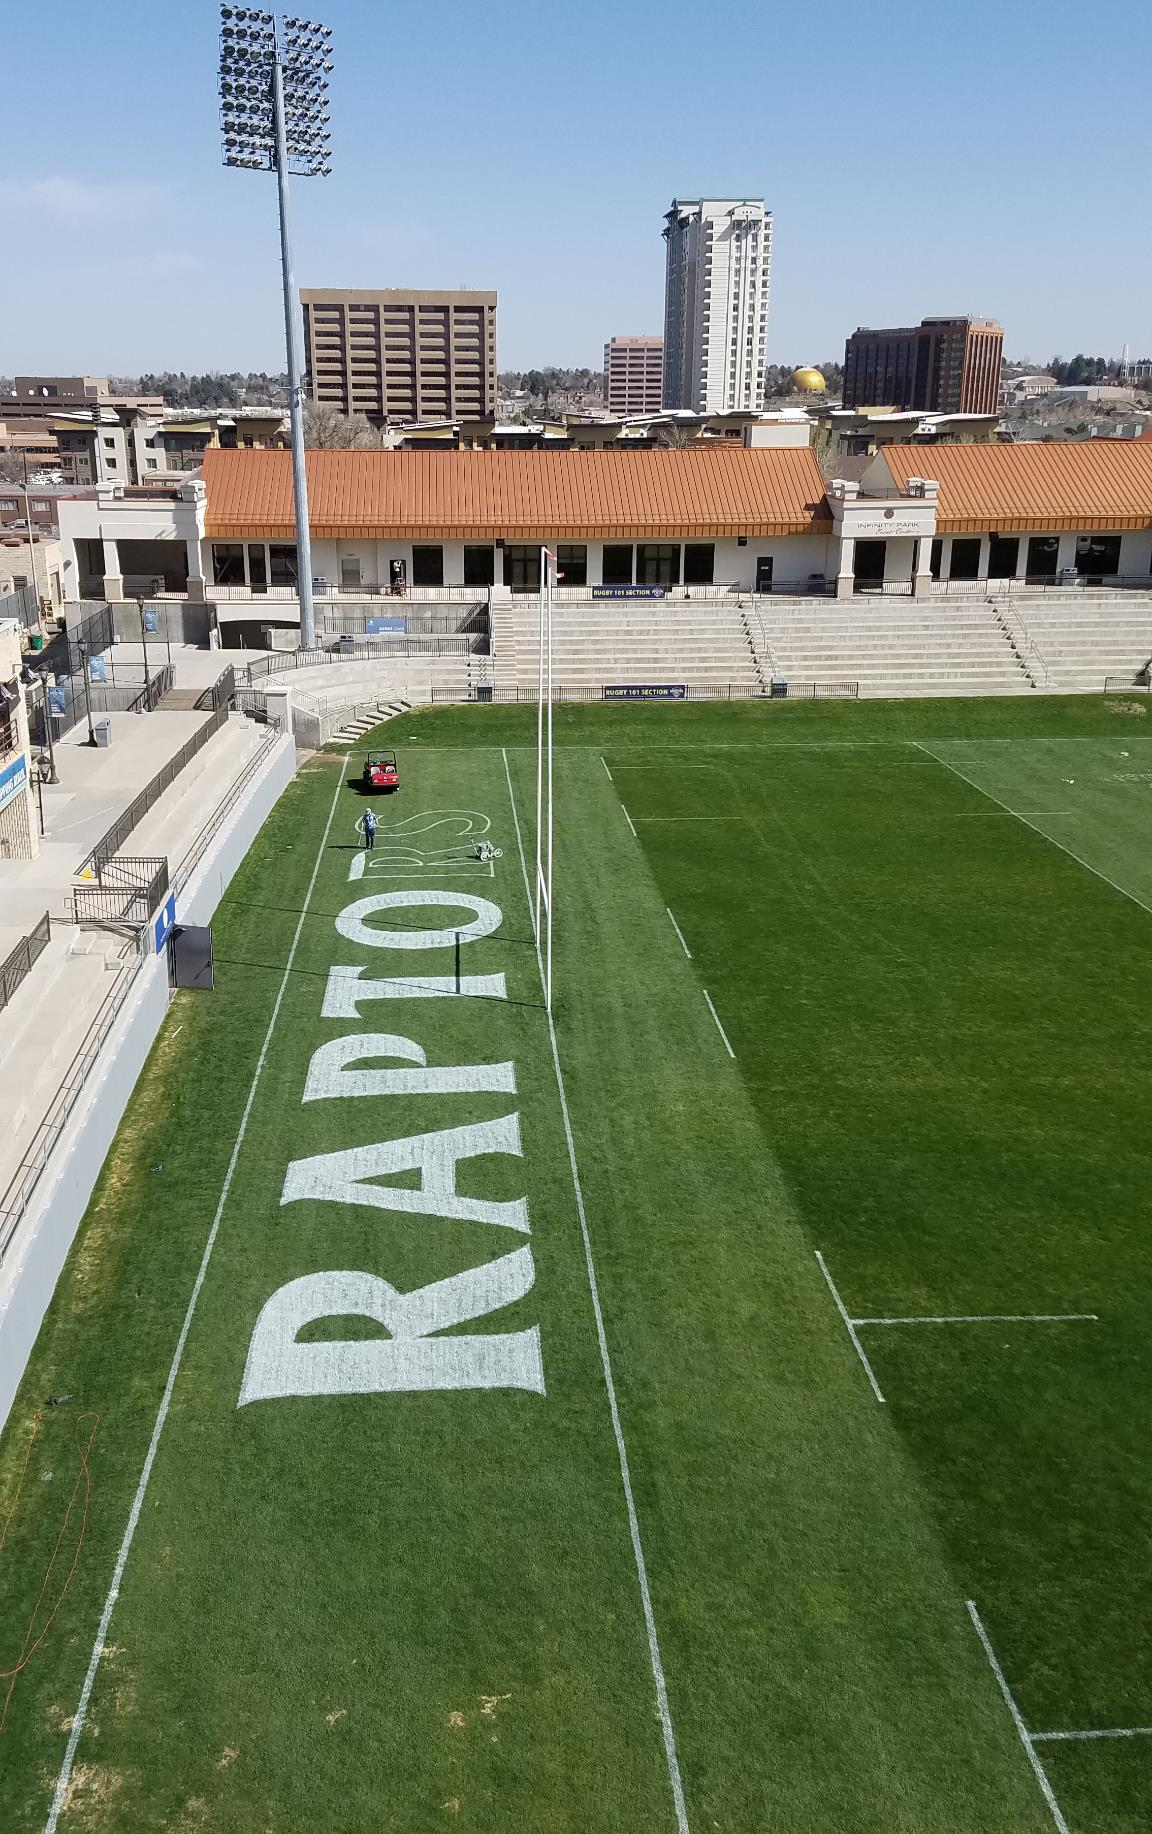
[(895, 647), (1083, 637), (598, 642)]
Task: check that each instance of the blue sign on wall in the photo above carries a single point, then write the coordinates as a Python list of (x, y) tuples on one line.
[(629, 691), (165, 922), (151, 620), (629, 592), (13, 778), (374, 626)]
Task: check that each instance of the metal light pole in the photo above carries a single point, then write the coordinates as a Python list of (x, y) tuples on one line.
[(51, 777), (31, 539), (83, 648), (274, 115), (143, 639)]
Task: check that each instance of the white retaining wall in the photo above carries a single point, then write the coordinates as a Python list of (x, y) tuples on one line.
[(33, 1266)]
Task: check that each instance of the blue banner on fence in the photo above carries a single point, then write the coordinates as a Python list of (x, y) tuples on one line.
[(629, 592), (165, 923), (374, 626), (631, 692), (13, 779), (151, 620), (97, 668), (57, 701)]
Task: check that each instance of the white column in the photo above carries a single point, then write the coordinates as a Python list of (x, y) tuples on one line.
[(922, 577), (113, 580), (845, 578)]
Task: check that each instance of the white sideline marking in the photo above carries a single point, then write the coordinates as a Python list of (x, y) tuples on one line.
[(987, 1318), (851, 1328), (178, 1357), (679, 933), (714, 1013), (631, 823), (654, 1656), (607, 772), (1021, 1728), (1108, 1732), (1080, 861)]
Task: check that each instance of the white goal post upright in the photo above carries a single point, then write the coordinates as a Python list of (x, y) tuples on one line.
[(543, 902)]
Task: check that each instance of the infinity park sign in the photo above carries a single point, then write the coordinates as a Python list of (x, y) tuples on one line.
[(632, 692), (629, 592), (13, 779)]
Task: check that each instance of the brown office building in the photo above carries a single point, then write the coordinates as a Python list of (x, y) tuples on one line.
[(398, 355), (940, 366), (634, 375)]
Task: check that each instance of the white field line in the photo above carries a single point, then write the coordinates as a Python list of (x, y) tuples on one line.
[(607, 772), (1107, 1732), (679, 933), (1024, 1735), (178, 1356), (988, 1318), (631, 823), (1079, 859), (655, 1659), (850, 1327), (716, 1016)]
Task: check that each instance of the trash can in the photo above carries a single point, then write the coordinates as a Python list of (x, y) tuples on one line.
[(484, 692), (103, 730), (37, 640), (778, 688)]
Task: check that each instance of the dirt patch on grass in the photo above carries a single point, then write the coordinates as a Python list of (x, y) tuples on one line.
[(227, 1757), (336, 1713), (1137, 708), (91, 1788)]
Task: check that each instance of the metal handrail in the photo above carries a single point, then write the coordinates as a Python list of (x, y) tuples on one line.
[(21, 960), (785, 689)]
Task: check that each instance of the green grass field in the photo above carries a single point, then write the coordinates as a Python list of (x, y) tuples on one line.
[(694, 1573)]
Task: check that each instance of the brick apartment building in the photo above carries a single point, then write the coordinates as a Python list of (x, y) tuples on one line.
[(396, 355), (940, 366)]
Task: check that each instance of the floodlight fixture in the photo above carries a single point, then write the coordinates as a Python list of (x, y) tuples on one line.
[(274, 71)]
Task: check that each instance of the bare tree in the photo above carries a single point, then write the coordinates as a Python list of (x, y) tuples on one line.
[(676, 436), (326, 429)]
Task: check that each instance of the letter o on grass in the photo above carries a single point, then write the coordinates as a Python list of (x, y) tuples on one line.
[(352, 923)]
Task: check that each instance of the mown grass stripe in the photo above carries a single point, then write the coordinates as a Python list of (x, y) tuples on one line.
[(655, 1658), (61, 1791)]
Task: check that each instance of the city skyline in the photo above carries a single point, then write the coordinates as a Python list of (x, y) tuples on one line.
[(174, 259)]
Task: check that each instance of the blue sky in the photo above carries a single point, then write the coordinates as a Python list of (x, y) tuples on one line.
[(917, 159)]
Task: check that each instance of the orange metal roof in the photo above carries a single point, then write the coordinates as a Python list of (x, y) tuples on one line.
[(1034, 488), (528, 496)]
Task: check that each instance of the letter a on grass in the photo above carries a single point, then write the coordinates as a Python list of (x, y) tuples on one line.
[(341, 1178), (410, 1358)]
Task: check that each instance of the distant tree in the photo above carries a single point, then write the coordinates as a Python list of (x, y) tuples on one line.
[(326, 429), (12, 467), (676, 437)]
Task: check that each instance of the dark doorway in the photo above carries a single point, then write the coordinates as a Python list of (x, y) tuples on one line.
[(1098, 556), (764, 565), (1042, 553), (965, 559), (1003, 554), (522, 568), (868, 565), (617, 565)]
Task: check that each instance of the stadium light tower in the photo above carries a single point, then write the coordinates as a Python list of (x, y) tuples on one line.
[(274, 118)]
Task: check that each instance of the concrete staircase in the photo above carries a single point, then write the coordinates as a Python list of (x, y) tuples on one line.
[(366, 717), (1083, 638), (598, 642), (894, 648)]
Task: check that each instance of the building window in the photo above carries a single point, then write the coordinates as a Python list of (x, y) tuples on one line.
[(657, 563), (935, 557), (617, 567), (282, 564), (479, 566), (1003, 553), (39, 504), (350, 578), (150, 464), (965, 560), (7, 503), (699, 563), (1098, 554), (150, 442), (427, 567), (111, 464), (227, 563), (1042, 553), (110, 441), (572, 563)]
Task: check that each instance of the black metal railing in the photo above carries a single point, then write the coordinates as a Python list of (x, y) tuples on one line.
[(372, 649), (1124, 684), (469, 620), (111, 842), (781, 689), (23, 957), (127, 891), (221, 693)]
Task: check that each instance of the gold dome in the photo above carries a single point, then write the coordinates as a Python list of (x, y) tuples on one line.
[(809, 380)]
